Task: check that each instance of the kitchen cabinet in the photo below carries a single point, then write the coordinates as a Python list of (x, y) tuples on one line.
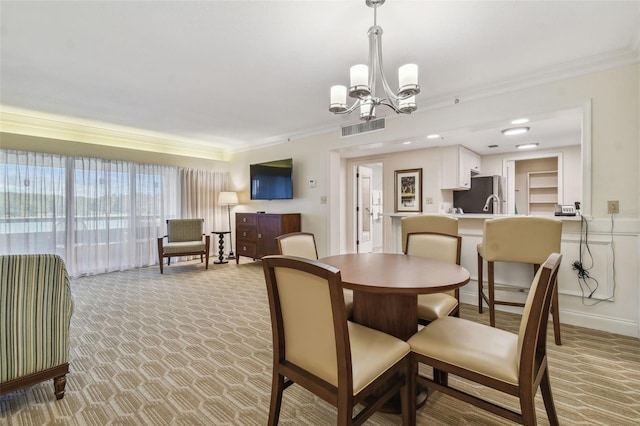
[(256, 232), (458, 165), (543, 191)]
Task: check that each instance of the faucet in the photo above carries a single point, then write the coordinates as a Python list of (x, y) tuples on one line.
[(489, 198)]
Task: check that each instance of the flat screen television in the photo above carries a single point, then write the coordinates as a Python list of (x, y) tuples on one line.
[(272, 180)]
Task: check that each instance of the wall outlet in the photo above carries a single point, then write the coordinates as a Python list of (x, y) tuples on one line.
[(323, 199), (428, 200), (613, 207)]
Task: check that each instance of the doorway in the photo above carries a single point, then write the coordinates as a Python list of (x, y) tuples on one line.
[(367, 217), (534, 183)]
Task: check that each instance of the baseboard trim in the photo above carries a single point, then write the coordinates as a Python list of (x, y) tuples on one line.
[(592, 321)]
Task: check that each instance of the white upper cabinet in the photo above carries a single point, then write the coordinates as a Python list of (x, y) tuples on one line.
[(458, 165)]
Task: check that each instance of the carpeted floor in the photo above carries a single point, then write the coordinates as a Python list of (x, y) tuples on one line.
[(193, 347)]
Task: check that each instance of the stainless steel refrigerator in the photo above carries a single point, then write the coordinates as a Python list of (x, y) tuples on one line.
[(479, 195)]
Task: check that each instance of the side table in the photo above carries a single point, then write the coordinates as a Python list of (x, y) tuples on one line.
[(221, 246)]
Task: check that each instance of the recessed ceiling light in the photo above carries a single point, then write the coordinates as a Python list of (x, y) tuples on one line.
[(406, 143), (520, 121), (515, 131), (433, 136), (527, 145)]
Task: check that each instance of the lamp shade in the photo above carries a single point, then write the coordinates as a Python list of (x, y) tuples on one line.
[(227, 198)]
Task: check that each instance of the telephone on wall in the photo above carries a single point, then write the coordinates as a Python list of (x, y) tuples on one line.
[(564, 210)]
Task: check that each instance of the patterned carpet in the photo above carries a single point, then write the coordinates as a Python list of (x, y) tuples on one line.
[(193, 347)]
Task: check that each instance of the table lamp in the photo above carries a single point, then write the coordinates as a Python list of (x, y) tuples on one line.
[(229, 199)]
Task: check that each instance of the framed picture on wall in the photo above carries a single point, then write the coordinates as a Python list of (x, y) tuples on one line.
[(408, 190)]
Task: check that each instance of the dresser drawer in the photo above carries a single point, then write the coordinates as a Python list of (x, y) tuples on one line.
[(245, 248), (246, 233), (248, 219)]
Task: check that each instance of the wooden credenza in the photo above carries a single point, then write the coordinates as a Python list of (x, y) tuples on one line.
[(256, 232)]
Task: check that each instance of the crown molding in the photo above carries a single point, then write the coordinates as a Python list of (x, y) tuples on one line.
[(577, 68), (32, 123)]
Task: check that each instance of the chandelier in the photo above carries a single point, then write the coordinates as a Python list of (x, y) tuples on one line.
[(364, 80)]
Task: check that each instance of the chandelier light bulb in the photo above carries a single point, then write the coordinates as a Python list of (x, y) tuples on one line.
[(408, 80), (359, 81), (338, 99)]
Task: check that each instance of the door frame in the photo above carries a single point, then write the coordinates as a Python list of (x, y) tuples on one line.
[(351, 227)]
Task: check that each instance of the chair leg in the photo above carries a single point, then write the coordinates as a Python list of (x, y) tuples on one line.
[(59, 383), (480, 285), (555, 310), (492, 296), (411, 390), (408, 408), (547, 397), (160, 251), (528, 407), (345, 411), (277, 387)]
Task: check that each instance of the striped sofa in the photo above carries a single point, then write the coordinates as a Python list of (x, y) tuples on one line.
[(35, 315)]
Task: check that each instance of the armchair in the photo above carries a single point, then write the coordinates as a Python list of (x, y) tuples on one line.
[(184, 238), (35, 315)]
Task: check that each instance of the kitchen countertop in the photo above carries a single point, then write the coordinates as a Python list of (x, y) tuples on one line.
[(482, 215)]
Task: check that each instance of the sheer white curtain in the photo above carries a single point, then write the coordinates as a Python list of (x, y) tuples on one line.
[(99, 215), (33, 197), (119, 210), (199, 197)]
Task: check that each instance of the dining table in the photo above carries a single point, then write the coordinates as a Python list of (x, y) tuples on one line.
[(386, 287), (385, 293)]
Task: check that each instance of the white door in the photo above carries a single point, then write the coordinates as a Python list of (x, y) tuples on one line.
[(364, 213)]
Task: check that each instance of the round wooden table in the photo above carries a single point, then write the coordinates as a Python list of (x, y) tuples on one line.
[(386, 287), (385, 293)]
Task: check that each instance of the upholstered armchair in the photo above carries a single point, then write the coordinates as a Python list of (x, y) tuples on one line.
[(35, 315), (184, 238)]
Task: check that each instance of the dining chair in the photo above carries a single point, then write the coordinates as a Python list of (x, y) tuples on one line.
[(303, 244), (315, 346), (184, 238), (523, 239), (435, 237), (515, 364)]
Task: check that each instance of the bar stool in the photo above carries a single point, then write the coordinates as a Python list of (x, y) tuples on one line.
[(520, 240)]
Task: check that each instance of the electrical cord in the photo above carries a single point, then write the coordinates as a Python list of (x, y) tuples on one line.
[(584, 278)]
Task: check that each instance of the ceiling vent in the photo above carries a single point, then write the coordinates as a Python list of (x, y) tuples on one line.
[(364, 127)]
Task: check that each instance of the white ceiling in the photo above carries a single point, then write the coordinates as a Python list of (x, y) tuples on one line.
[(237, 74)]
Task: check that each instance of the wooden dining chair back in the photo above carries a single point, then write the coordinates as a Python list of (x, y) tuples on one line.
[(519, 240), (303, 244), (314, 344), (427, 223), (434, 237), (515, 364)]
